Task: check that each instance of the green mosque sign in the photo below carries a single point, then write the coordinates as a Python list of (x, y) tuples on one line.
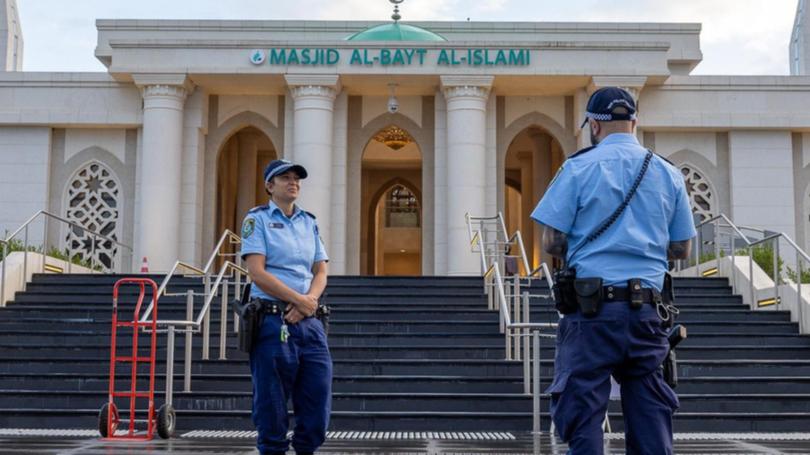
[(388, 57)]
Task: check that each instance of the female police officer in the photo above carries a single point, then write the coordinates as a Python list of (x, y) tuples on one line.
[(287, 263)]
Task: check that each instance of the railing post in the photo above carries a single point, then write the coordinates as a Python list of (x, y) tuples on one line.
[(536, 383), (25, 260), (751, 277), (699, 245), (733, 262), (93, 255), (799, 299), (188, 343), (3, 277), (44, 243), (524, 338), (223, 323), (777, 276), (206, 318), (206, 334), (170, 366), (516, 314), (717, 243)]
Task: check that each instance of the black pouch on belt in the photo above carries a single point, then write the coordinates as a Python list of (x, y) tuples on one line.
[(251, 316), (589, 295), (636, 293)]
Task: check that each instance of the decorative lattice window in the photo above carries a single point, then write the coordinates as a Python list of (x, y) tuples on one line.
[(93, 201), (401, 208), (701, 196)]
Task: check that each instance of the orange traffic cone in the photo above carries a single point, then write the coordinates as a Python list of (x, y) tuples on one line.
[(144, 266)]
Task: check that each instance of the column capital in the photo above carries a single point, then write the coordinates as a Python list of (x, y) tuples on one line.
[(313, 85), (164, 85), (466, 86), (324, 91), (633, 84)]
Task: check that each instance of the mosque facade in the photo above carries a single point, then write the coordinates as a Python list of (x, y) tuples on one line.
[(404, 128)]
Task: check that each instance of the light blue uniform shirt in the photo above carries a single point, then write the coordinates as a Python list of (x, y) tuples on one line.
[(290, 245), (587, 190)]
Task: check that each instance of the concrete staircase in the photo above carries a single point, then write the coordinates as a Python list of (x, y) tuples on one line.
[(410, 354)]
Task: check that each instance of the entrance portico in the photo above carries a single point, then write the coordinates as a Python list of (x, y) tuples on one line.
[(189, 112)]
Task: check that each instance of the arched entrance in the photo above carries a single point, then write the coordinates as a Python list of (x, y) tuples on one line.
[(391, 201), (532, 159), (240, 184)]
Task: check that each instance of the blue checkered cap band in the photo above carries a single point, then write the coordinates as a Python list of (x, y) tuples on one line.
[(609, 117), (604, 103)]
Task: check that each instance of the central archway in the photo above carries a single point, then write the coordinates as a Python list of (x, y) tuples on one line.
[(391, 201), (532, 159), (240, 184)]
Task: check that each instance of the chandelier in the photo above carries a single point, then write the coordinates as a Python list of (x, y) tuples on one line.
[(394, 137)]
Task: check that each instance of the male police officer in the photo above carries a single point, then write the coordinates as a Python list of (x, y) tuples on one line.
[(614, 212)]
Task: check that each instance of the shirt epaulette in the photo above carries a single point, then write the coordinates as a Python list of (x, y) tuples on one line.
[(310, 214), (582, 152), (662, 157), (259, 209)]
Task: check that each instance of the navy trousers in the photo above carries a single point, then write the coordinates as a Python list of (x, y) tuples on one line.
[(301, 368), (630, 345)]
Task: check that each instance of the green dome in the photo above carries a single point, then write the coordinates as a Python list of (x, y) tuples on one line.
[(395, 32)]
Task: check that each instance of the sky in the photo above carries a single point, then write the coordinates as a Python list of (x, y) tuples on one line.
[(739, 36)]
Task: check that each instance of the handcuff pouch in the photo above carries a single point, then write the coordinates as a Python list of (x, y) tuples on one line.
[(589, 295)]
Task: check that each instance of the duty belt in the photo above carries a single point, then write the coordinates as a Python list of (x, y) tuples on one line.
[(617, 294), (273, 306)]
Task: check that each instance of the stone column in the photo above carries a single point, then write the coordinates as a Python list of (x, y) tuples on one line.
[(158, 229), (466, 165), (313, 118), (248, 158)]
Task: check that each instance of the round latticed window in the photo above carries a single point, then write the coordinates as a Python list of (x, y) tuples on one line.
[(701, 195), (93, 201), (401, 208)]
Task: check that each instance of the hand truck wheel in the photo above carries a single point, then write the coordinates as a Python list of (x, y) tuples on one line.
[(166, 419), (103, 415)]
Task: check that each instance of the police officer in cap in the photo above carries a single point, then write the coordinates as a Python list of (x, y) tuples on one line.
[(287, 264), (615, 213)]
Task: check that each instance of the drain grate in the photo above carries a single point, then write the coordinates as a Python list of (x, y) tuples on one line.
[(727, 436), (368, 435)]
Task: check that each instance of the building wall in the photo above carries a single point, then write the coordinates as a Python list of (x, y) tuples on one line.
[(761, 179), (24, 187)]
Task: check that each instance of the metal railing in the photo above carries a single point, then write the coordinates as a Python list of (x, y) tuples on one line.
[(501, 247), (48, 217), (231, 273), (521, 336), (737, 241), (200, 323)]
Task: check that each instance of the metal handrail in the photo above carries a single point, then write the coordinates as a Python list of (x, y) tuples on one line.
[(515, 239), (201, 323), (226, 235), (749, 245), (530, 333), (24, 228)]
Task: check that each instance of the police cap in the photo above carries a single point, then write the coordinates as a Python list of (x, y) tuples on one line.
[(278, 167), (610, 103)]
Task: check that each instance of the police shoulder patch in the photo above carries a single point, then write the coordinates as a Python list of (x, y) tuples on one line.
[(259, 208), (248, 227)]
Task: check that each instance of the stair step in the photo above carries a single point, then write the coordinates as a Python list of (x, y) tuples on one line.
[(409, 353)]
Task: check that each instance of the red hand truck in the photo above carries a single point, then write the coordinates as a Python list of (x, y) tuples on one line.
[(109, 418)]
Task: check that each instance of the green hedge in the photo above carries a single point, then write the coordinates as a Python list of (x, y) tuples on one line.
[(15, 245)]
